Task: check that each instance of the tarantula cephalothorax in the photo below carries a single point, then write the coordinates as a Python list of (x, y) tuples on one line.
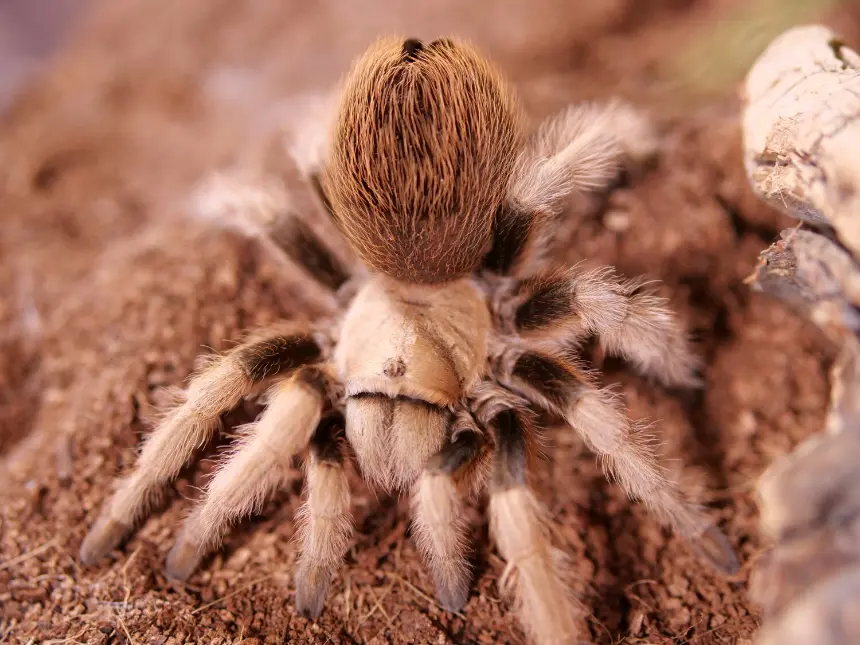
[(453, 351)]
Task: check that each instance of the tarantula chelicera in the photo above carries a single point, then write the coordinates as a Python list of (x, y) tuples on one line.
[(455, 348)]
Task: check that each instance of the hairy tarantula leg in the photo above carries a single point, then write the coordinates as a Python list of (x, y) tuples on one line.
[(582, 149), (314, 239), (255, 469), (307, 139), (439, 521), (627, 451), (325, 522), (304, 245), (217, 388), (628, 322), (519, 526), (265, 210)]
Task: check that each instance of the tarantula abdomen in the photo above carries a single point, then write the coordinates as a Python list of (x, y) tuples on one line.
[(420, 159)]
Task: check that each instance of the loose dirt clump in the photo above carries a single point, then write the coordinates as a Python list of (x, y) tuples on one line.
[(110, 291)]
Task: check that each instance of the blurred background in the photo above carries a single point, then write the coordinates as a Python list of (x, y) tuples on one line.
[(29, 33), (705, 45)]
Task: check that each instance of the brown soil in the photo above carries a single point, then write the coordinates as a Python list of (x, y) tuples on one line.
[(109, 292)]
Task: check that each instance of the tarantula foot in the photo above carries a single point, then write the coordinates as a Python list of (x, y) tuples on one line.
[(714, 547), (183, 559), (311, 589), (105, 535), (452, 595)]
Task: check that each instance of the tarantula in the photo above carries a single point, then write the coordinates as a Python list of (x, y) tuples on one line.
[(456, 347)]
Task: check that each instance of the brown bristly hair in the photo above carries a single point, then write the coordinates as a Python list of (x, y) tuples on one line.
[(421, 156)]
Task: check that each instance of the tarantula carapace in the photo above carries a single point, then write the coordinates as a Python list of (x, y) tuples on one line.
[(452, 351)]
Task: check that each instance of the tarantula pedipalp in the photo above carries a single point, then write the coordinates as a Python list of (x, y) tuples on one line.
[(455, 342)]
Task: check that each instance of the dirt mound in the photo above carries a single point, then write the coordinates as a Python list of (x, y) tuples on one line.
[(110, 291)]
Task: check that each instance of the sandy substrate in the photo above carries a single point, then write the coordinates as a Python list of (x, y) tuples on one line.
[(110, 290)]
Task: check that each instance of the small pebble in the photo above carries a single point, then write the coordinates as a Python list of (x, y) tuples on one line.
[(636, 623), (746, 423), (616, 221)]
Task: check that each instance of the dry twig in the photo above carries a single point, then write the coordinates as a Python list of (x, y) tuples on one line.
[(232, 593), (29, 554)]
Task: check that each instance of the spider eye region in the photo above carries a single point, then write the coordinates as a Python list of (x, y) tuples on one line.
[(394, 367)]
